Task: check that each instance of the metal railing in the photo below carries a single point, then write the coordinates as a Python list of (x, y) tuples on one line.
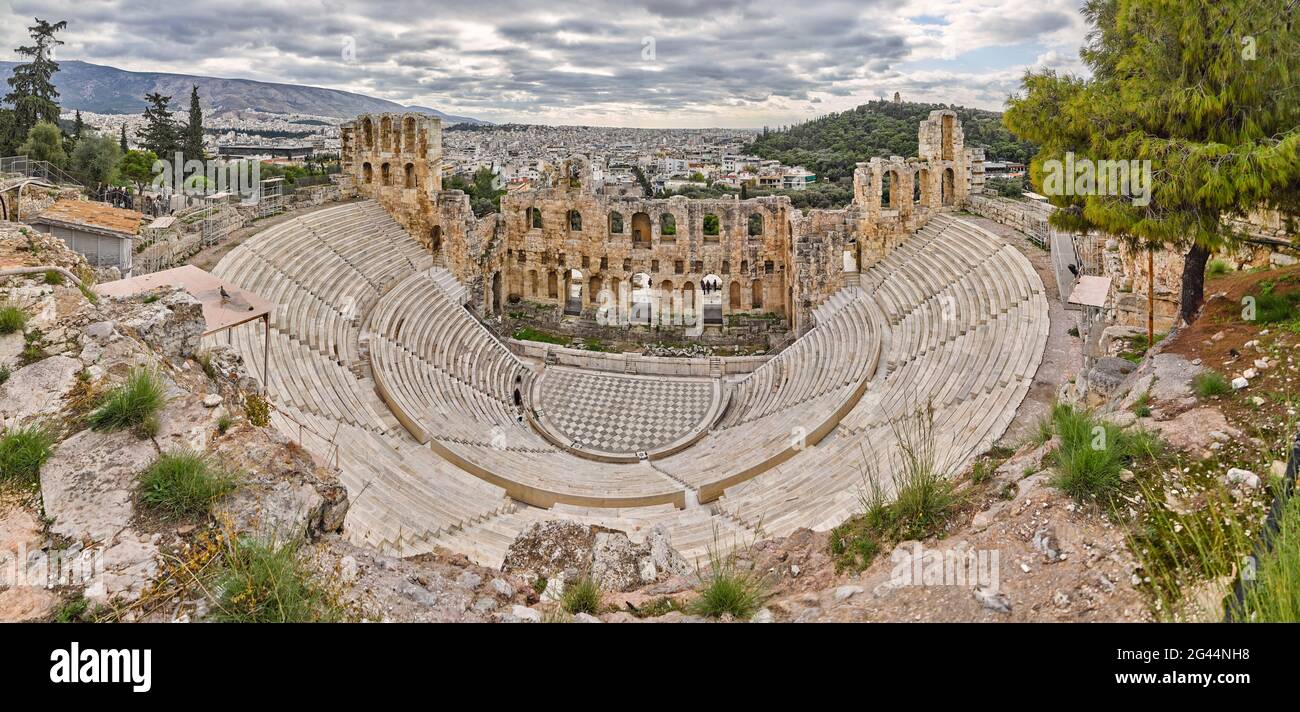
[(44, 170)]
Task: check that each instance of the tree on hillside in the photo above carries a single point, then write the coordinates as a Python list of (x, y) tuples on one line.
[(8, 133), (1207, 92), (137, 167), (160, 133), (45, 143), (32, 94), (95, 160), (192, 140), (121, 141)]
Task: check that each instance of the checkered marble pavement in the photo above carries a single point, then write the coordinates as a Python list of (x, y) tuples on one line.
[(622, 414)]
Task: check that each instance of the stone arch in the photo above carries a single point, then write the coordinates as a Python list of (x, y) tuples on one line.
[(409, 177), (896, 188), (573, 288), (496, 293), (666, 301), (711, 226), (368, 134), (733, 301), (535, 218), (575, 221), (532, 282), (667, 225), (922, 192), (552, 285), (386, 174), (616, 223), (756, 294), (641, 299), (711, 298), (949, 186), (435, 240), (755, 224), (408, 132), (593, 288), (368, 172), (640, 230), (385, 132)]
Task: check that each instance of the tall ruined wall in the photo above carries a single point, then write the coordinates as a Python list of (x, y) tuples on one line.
[(397, 160), (768, 256), (551, 232)]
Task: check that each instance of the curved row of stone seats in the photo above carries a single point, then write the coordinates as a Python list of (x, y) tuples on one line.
[(972, 383), (451, 383), (831, 355), (304, 378), (823, 376), (401, 495), (323, 270), (693, 532), (367, 239)]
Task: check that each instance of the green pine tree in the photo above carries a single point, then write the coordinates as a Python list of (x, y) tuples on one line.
[(192, 141), (1207, 92), (32, 94), (160, 134), (121, 141)]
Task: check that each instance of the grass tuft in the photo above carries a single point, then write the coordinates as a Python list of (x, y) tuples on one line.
[(22, 453), (12, 319), (131, 404), (266, 582), (726, 589), (581, 596), (1093, 452), (1210, 383), (183, 484)]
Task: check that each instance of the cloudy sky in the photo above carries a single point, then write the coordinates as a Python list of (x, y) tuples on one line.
[(609, 62)]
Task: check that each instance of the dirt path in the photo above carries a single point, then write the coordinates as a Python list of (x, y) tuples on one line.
[(208, 258), (1064, 353)]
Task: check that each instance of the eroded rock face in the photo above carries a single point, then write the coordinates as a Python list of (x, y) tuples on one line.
[(87, 486), (32, 392), (282, 493), (172, 324), (562, 551)]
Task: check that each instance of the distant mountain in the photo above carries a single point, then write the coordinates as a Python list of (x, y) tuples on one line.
[(831, 145), (108, 90)]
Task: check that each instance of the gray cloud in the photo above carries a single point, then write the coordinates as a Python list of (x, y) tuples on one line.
[(517, 59)]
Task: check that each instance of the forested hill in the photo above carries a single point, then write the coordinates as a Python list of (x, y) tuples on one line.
[(830, 145)]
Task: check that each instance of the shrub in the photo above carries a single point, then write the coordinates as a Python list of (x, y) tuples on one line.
[(224, 423), (22, 453), (728, 590), (130, 404), (267, 582), (12, 319), (5, 373), (1094, 452), (74, 610), (581, 596), (1217, 268), (1210, 383), (258, 410), (183, 484), (53, 277)]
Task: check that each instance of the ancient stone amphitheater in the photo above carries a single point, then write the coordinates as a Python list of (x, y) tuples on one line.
[(447, 438)]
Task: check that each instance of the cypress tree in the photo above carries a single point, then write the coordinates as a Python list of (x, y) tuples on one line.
[(192, 142), (160, 133)]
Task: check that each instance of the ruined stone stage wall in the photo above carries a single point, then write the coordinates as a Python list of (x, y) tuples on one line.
[(769, 256)]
